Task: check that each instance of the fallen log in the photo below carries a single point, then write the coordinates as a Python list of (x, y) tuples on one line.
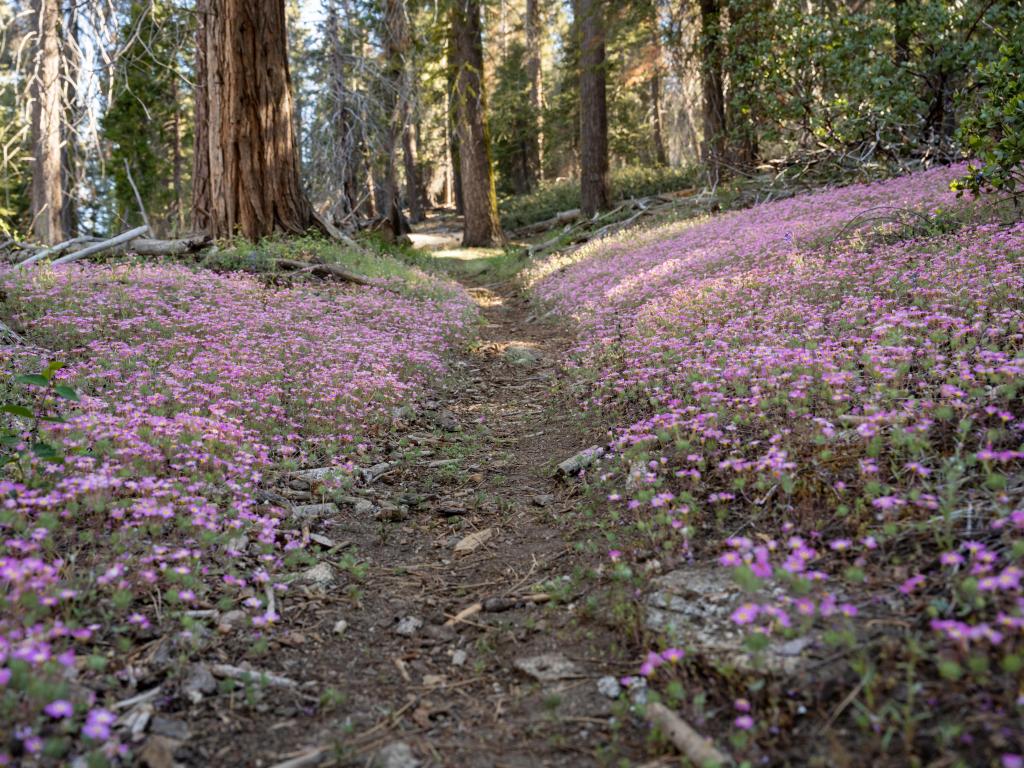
[(129, 242), (563, 217), (326, 271), (53, 250), (690, 743), (106, 245)]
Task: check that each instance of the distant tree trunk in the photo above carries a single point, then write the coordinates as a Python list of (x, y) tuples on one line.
[(534, 49), (713, 148), (178, 213), (397, 35), (451, 131), (657, 134), (246, 178), (595, 194), (47, 172), (480, 203)]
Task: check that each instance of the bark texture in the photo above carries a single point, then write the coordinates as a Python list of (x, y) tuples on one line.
[(479, 200), (247, 167), (534, 48), (595, 194), (713, 147), (47, 172)]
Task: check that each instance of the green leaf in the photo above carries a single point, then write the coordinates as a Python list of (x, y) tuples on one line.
[(34, 379), (17, 410), (44, 450), (50, 369), (68, 393)]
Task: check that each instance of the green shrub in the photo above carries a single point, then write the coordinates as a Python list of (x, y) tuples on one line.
[(993, 132), (637, 181)]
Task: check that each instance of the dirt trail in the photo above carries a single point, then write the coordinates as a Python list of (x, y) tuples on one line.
[(452, 693)]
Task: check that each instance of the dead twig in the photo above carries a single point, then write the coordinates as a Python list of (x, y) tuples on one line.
[(690, 743)]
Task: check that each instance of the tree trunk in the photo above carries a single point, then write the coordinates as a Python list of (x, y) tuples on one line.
[(713, 147), (47, 173), (595, 194), (534, 49), (397, 42), (247, 166), (479, 200), (657, 133)]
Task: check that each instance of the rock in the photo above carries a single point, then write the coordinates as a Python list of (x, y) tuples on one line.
[(694, 605), (474, 541), (542, 499), (459, 657), (444, 419), (548, 667), (370, 474), (609, 686), (520, 354), (323, 541), (397, 754), (408, 626), (576, 464), (169, 727), (232, 620), (320, 575), (322, 474), (340, 626), (158, 752), (309, 512), (238, 543), (199, 683), (269, 497)]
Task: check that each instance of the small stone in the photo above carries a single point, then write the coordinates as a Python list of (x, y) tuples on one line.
[(542, 499), (340, 626), (307, 512), (408, 626), (322, 474), (520, 354), (459, 658), (158, 752), (199, 683), (238, 543), (231, 621), (548, 667), (323, 541), (169, 727), (397, 754), (608, 686), (320, 575)]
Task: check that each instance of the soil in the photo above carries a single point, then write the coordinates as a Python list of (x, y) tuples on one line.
[(451, 691)]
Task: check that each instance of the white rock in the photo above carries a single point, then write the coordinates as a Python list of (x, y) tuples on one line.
[(321, 575), (548, 667), (397, 754), (609, 686), (340, 626), (459, 657), (408, 626)]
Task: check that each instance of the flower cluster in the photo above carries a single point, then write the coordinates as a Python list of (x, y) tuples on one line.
[(192, 386), (852, 404)]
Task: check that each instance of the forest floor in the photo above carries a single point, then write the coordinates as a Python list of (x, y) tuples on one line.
[(515, 682)]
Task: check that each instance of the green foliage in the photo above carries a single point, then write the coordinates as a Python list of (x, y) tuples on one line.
[(148, 123), (993, 131), (32, 403), (637, 181), (513, 122)]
